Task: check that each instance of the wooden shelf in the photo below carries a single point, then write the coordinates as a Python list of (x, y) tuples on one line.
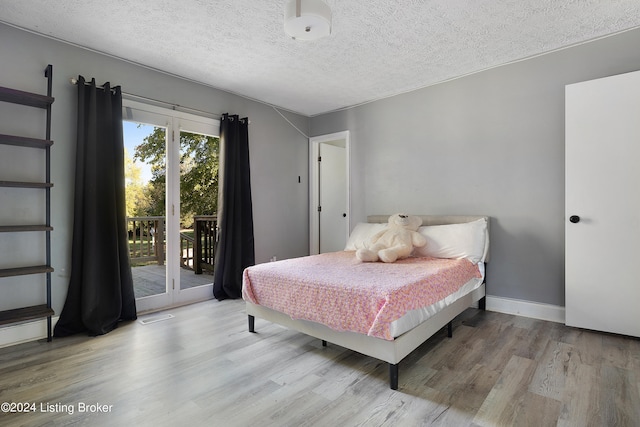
[(21, 184), (25, 98), (23, 271), (24, 314), (19, 228), (25, 142)]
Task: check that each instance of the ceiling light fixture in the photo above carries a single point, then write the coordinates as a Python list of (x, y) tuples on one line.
[(307, 19)]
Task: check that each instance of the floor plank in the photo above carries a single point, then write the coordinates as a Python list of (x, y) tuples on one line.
[(202, 367)]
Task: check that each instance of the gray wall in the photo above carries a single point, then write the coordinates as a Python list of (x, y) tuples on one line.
[(490, 143), (278, 152)]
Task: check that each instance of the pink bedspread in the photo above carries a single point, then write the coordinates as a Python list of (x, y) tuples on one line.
[(339, 291)]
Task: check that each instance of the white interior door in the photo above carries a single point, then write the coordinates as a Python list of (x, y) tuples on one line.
[(333, 197), (603, 204), (329, 200)]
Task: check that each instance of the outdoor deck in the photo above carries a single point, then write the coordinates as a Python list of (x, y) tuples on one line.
[(150, 279)]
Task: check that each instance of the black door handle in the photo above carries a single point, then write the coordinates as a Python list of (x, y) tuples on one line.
[(344, 215), (574, 219)]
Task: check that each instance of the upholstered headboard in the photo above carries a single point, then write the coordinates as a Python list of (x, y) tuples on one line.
[(440, 220)]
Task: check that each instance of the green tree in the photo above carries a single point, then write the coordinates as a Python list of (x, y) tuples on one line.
[(199, 164), (136, 196)]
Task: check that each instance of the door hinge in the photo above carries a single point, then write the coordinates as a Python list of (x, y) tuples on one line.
[(173, 210), (173, 283), (319, 158), (319, 208)]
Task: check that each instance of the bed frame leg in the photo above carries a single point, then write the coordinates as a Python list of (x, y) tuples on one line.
[(324, 343), (450, 329), (482, 303), (393, 376), (252, 323)]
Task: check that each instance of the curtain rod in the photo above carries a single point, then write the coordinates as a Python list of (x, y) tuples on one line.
[(174, 107)]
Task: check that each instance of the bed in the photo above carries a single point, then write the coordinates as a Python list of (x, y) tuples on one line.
[(401, 316)]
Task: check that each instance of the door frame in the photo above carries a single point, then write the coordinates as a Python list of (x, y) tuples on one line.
[(314, 185), (175, 122)]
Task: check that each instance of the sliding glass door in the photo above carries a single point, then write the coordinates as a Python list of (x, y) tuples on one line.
[(171, 181), (145, 181)]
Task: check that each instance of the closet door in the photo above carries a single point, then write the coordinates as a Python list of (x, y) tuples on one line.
[(603, 204)]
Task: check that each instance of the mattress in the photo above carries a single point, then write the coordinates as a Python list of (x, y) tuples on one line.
[(338, 291), (415, 317)]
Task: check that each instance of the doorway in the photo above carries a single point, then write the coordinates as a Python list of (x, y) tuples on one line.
[(329, 192), (171, 225)]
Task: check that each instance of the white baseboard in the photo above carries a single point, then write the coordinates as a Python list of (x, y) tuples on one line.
[(24, 332), (535, 310)]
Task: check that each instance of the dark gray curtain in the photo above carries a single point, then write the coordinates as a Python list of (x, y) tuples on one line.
[(235, 250), (100, 290)]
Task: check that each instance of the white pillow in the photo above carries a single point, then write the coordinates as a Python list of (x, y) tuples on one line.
[(468, 240), (361, 233)]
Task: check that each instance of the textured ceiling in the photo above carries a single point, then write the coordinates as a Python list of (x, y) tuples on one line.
[(378, 48)]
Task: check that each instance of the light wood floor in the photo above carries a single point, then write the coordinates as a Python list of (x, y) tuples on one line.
[(202, 368)]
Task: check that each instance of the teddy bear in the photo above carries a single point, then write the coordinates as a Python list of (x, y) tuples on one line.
[(395, 242)]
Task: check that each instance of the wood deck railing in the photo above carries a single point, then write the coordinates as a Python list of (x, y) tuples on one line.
[(144, 232), (187, 247), (206, 229), (147, 240)]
